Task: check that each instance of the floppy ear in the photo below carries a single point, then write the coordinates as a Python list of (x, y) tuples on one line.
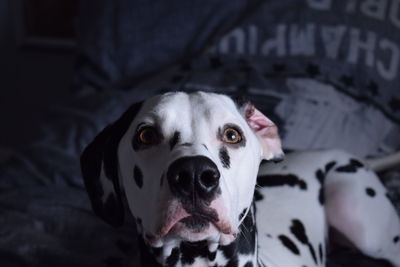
[(99, 165), (265, 130)]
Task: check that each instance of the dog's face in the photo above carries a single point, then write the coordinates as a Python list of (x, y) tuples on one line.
[(188, 165)]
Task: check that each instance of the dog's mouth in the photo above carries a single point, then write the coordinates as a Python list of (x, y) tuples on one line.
[(191, 225), (191, 222), (195, 223)]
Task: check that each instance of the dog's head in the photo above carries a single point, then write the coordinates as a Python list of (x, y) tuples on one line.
[(187, 163)]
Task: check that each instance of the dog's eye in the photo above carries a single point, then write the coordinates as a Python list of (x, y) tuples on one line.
[(148, 136), (232, 136)]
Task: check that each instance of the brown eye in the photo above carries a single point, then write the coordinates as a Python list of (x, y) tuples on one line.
[(232, 136), (147, 136)]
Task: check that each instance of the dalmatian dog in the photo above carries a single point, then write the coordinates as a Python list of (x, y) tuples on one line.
[(187, 165)]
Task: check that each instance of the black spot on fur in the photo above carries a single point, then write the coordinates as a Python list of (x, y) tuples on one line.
[(321, 179), (281, 180), (312, 251), (229, 251), (396, 239), (257, 195), (352, 166), (212, 255), (174, 140), (138, 176), (321, 196), (232, 263), (224, 157), (320, 176), (248, 264), (244, 243), (192, 250), (321, 253), (370, 192), (205, 146), (329, 166), (299, 232), (289, 244), (173, 258), (247, 237)]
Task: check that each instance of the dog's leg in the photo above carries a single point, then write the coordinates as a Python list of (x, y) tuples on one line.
[(357, 205)]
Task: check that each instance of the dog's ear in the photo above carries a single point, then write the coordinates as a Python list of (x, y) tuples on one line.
[(265, 130), (99, 165)]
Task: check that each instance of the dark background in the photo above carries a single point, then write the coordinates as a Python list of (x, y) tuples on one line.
[(33, 78)]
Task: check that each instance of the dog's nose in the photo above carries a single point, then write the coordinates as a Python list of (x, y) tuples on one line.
[(189, 176)]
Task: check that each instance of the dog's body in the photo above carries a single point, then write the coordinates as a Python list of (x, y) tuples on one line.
[(311, 190), (188, 164)]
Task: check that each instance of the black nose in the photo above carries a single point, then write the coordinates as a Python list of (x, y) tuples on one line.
[(190, 176)]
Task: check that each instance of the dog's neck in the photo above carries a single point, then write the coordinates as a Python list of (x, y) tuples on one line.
[(240, 252)]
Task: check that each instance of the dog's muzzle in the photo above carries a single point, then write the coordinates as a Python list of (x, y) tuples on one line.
[(194, 182)]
